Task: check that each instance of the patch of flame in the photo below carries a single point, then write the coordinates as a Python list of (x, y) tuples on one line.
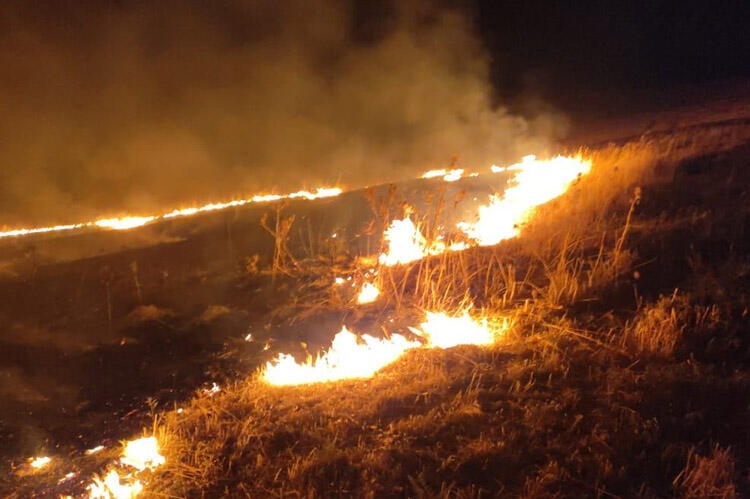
[(448, 175), (113, 487), (443, 331), (39, 462), (123, 223), (142, 454), (347, 358), (535, 183), (406, 244), (130, 222), (368, 294), (453, 175)]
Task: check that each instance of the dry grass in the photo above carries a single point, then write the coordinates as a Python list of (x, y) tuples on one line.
[(708, 476), (595, 392)]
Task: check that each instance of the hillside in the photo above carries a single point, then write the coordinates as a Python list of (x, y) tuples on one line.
[(620, 369)]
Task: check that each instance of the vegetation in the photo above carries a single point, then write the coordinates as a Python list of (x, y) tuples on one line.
[(625, 372)]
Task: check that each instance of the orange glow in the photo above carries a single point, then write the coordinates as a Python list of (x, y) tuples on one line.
[(39, 462), (536, 183), (142, 454), (348, 357), (448, 175), (138, 455), (443, 331), (123, 223), (131, 222), (405, 243), (368, 294), (113, 486)]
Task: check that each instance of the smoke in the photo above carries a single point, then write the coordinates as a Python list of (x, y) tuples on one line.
[(112, 107)]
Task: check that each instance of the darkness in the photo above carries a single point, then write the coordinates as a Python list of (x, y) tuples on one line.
[(621, 51)]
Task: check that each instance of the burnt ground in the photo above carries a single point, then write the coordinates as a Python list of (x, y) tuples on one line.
[(98, 326)]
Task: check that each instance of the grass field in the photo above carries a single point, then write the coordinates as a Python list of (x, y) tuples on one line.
[(624, 371)]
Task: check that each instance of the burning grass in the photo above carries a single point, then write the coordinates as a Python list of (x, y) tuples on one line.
[(604, 381), (594, 390)]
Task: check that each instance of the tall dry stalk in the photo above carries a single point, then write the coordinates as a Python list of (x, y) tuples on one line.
[(283, 261)]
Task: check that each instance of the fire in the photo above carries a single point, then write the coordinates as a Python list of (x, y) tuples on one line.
[(407, 244), (368, 294), (347, 358), (443, 331), (535, 183), (39, 462), (113, 487), (142, 454), (130, 222), (448, 175), (123, 223)]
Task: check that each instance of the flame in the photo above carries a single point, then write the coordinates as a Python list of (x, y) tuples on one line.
[(448, 175), (443, 331), (368, 294), (347, 358), (453, 175), (142, 454), (123, 223), (130, 222), (535, 183), (39, 462), (407, 244), (113, 487)]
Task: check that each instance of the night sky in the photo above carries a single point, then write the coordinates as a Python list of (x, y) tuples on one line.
[(111, 106)]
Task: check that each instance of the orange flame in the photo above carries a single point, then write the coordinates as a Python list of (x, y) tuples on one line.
[(140, 454), (130, 222), (368, 294), (443, 331), (347, 358), (39, 462), (535, 183)]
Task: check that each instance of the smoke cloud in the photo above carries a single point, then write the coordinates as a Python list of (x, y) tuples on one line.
[(113, 107)]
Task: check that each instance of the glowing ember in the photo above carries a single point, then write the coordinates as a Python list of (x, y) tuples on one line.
[(443, 331), (142, 454), (347, 358), (535, 183), (123, 223), (113, 487), (368, 294), (39, 462)]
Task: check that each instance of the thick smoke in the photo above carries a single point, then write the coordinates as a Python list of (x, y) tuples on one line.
[(111, 107)]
